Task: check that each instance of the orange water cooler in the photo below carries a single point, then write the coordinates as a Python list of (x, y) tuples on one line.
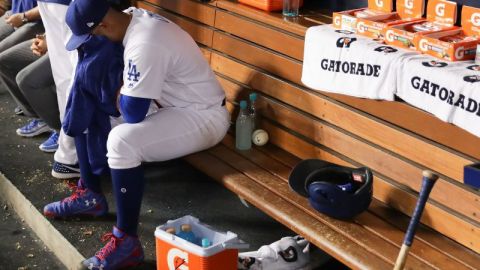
[(175, 253)]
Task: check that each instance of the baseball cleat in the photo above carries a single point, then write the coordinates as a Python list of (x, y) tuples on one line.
[(82, 202), (120, 252), (51, 144), (288, 253), (65, 171), (18, 111)]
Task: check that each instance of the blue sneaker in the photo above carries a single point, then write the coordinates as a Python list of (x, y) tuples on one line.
[(51, 144), (121, 251), (65, 171), (33, 128), (83, 202), (18, 111)]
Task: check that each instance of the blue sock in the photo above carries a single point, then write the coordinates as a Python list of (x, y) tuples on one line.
[(128, 185), (89, 180)]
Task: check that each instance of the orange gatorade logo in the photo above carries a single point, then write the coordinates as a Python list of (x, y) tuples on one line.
[(475, 19), (410, 8), (337, 21), (471, 21), (381, 5), (361, 27), (441, 11), (177, 259), (409, 4), (390, 35), (423, 44)]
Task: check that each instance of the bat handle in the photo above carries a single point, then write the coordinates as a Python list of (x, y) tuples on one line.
[(429, 179)]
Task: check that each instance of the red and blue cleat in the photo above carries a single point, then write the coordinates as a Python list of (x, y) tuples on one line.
[(120, 252), (83, 202)]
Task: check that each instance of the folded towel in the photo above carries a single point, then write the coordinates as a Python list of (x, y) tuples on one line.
[(338, 61), (467, 113), (448, 90)]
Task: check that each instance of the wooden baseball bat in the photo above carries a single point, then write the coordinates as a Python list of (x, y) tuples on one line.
[(429, 179)]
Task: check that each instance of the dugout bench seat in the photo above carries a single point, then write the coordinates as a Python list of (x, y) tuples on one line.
[(251, 50)]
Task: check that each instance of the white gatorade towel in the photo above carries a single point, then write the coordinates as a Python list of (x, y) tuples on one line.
[(466, 111), (448, 90), (339, 61)]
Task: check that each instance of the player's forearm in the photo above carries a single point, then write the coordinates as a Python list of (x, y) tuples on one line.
[(133, 109), (32, 14)]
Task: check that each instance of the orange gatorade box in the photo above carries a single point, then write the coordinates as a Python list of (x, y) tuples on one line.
[(267, 5), (175, 253), (373, 27), (457, 44), (441, 15), (347, 20)]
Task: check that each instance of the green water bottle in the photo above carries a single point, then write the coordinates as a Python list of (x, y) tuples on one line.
[(243, 128)]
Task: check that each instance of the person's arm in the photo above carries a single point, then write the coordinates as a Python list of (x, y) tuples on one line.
[(19, 19), (133, 109)]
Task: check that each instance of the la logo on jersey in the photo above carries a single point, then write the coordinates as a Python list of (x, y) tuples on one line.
[(133, 74)]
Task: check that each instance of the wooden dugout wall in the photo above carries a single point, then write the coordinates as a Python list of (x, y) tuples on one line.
[(251, 50)]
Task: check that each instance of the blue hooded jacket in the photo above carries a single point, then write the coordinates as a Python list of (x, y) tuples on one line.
[(92, 100)]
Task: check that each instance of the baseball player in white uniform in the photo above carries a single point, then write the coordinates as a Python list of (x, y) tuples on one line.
[(164, 65)]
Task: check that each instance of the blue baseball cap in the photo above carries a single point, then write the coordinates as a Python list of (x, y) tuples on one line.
[(82, 17)]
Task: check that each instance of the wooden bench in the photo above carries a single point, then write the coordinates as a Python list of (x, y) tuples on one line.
[(251, 50)]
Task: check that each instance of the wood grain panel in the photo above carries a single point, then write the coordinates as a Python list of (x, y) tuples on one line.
[(449, 194), (195, 10), (424, 234), (200, 33), (297, 25), (316, 232), (377, 132), (441, 220), (421, 250), (261, 58), (397, 113), (260, 34), (206, 53), (354, 232)]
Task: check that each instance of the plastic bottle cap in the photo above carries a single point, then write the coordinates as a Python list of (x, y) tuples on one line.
[(170, 230), (243, 104), (205, 242), (186, 228), (253, 96)]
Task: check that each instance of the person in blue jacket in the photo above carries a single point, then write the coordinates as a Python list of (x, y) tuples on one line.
[(90, 106)]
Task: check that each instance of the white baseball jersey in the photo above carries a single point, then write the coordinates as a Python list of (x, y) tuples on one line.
[(164, 63)]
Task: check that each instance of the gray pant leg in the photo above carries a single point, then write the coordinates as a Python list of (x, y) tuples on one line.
[(37, 85), (11, 62), (23, 33), (5, 29)]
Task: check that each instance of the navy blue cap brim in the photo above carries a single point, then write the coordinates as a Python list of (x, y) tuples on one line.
[(301, 171), (77, 41)]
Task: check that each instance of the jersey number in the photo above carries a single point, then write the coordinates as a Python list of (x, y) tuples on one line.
[(132, 72)]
